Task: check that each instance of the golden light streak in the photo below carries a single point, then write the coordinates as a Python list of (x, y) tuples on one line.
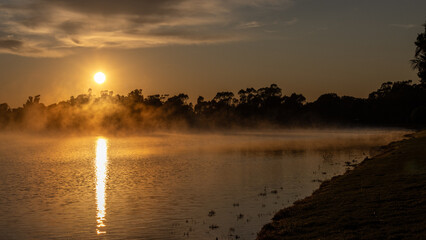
[(101, 173)]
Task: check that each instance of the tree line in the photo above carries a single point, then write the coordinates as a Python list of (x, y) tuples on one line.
[(393, 104), (401, 104)]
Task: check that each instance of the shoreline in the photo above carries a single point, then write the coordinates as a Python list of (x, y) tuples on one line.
[(382, 197)]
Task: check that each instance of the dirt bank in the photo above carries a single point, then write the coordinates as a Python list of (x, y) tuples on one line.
[(382, 198)]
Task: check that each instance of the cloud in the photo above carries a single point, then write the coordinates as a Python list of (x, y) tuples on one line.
[(10, 44), (54, 28), (252, 24), (18, 47), (71, 27), (291, 22), (406, 26)]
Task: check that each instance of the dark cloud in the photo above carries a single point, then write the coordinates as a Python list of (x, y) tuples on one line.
[(76, 41), (108, 7), (191, 34), (406, 26), (71, 27), (33, 21), (11, 44), (55, 27)]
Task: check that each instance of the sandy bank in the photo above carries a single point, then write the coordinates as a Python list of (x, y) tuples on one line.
[(382, 198)]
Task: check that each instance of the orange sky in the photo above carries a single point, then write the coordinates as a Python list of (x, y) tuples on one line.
[(54, 48)]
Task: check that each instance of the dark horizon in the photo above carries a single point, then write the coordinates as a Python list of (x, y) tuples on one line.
[(399, 104)]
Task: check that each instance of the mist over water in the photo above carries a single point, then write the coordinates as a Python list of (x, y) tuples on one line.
[(165, 185)]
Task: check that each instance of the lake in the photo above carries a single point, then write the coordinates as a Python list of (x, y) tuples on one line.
[(167, 185)]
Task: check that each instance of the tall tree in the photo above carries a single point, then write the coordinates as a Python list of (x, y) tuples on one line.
[(419, 61)]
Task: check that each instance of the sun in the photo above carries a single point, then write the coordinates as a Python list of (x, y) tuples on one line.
[(99, 77)]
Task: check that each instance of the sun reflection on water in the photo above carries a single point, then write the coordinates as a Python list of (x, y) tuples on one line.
[(101, 173)]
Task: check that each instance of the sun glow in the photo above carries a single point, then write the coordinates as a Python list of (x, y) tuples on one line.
[(99, 77), (101, 174)]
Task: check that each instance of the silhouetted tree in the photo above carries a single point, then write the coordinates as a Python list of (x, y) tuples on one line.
[(200, 106), (4, 108), (294, 101), (394, 103), (177, 101), (135, 96), (419, 61), (4, 115), (270, 97), (291, 109), (154, 100), (224, 99), (249, 103)]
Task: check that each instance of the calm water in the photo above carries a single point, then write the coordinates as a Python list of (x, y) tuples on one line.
[(163, 186)]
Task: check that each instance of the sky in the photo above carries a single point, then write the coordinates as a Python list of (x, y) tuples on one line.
[(349, 47)]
